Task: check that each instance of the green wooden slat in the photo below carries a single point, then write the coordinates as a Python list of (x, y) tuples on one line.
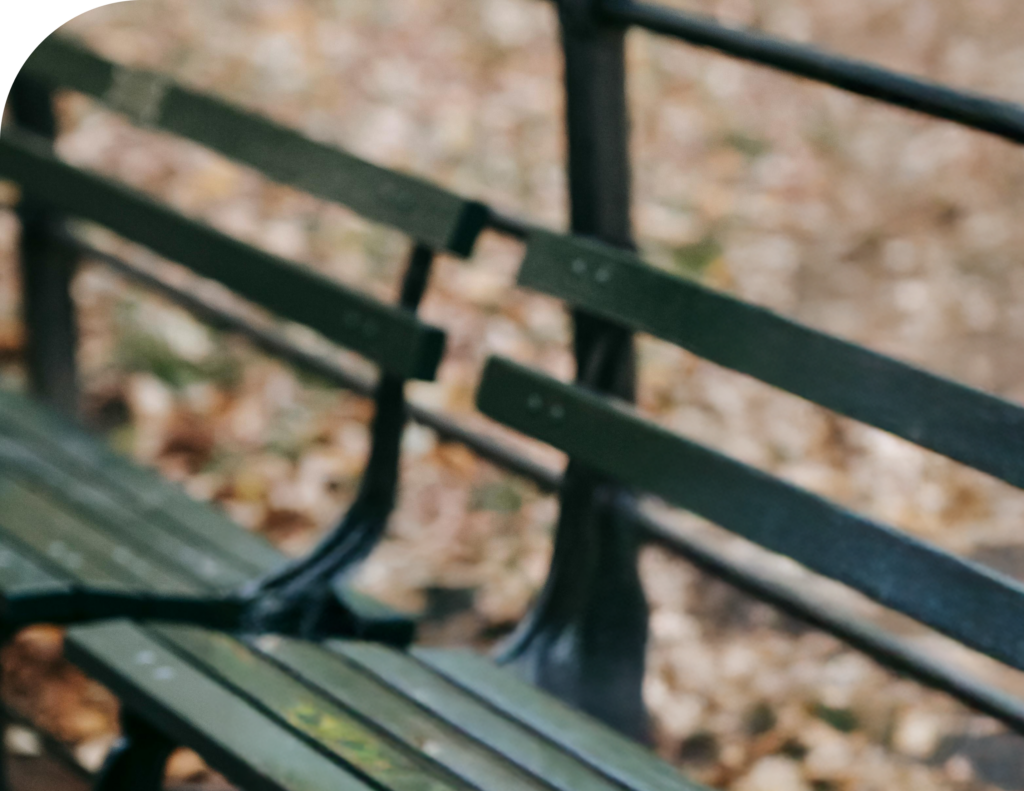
[(48, 541), (64, 439), (352, 738), (592, 742), (248, 747), (28, 591), (134, 531), (78, 546), (65, 444), (394, 712), (186, 534), (425, 212), (393, 338), (966, 425), (453, 704), (967, 601)]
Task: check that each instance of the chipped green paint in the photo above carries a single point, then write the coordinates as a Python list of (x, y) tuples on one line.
[(459, 749), (334, 728), (247, 744), (309, 717), (361, 747)]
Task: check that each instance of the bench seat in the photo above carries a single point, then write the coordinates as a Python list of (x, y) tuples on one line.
[(86, 534), (80, 526), (289, 715)]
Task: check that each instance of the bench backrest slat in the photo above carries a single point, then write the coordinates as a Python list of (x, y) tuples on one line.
[(389, 336), (964, 600), (428, 214), (967, 425)]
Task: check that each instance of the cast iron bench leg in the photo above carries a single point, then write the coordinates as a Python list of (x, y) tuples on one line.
[(137, 760), (6, 633)]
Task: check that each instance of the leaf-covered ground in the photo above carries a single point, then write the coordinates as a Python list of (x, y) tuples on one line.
[(878, 225)]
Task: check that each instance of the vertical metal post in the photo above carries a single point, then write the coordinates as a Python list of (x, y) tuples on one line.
[(47, 268), (585, 640)]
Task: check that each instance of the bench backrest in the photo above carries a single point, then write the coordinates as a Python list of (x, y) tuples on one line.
[(430, 215), (967, 601), (388, 336)]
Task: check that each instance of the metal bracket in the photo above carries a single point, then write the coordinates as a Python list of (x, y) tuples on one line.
[(308, 598)]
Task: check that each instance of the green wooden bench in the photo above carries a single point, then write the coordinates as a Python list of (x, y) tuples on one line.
[(89, 537), (448, 719), (91, 558), (185, 613)]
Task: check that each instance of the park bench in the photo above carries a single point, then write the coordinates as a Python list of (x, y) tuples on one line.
[(89, 537), (174, 630)]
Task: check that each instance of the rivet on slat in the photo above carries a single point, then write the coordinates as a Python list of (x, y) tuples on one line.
[(145, 657), (534, 402), (557, 411), (163, 673), (579, 266), (604, 274)]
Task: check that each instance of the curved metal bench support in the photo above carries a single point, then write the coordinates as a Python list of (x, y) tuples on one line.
[(307, 598)]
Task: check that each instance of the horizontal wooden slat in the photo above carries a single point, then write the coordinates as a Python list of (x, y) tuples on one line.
[(589, 740), (80, 546), (164, 545), (425, 212), (980, 608), (391, 337), (30, 592), (67, 445), (437, 694), (964, 424), (401, 717), (247, 746), (353, 738)]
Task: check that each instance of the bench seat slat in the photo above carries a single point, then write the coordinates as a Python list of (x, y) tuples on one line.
[(79, 546), (389, 336), (965, 600), (29, 592), (68, 445), (134, 531), (403, 718), (962, 423), (353, 736), (592, 742), (182, 701), (422, 210), (455, 705), (163, 524)]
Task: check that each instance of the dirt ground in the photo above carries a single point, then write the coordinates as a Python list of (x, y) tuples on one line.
[(875, 224)]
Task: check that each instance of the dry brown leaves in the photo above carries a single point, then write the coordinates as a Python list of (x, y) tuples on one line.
[(877, 225)]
